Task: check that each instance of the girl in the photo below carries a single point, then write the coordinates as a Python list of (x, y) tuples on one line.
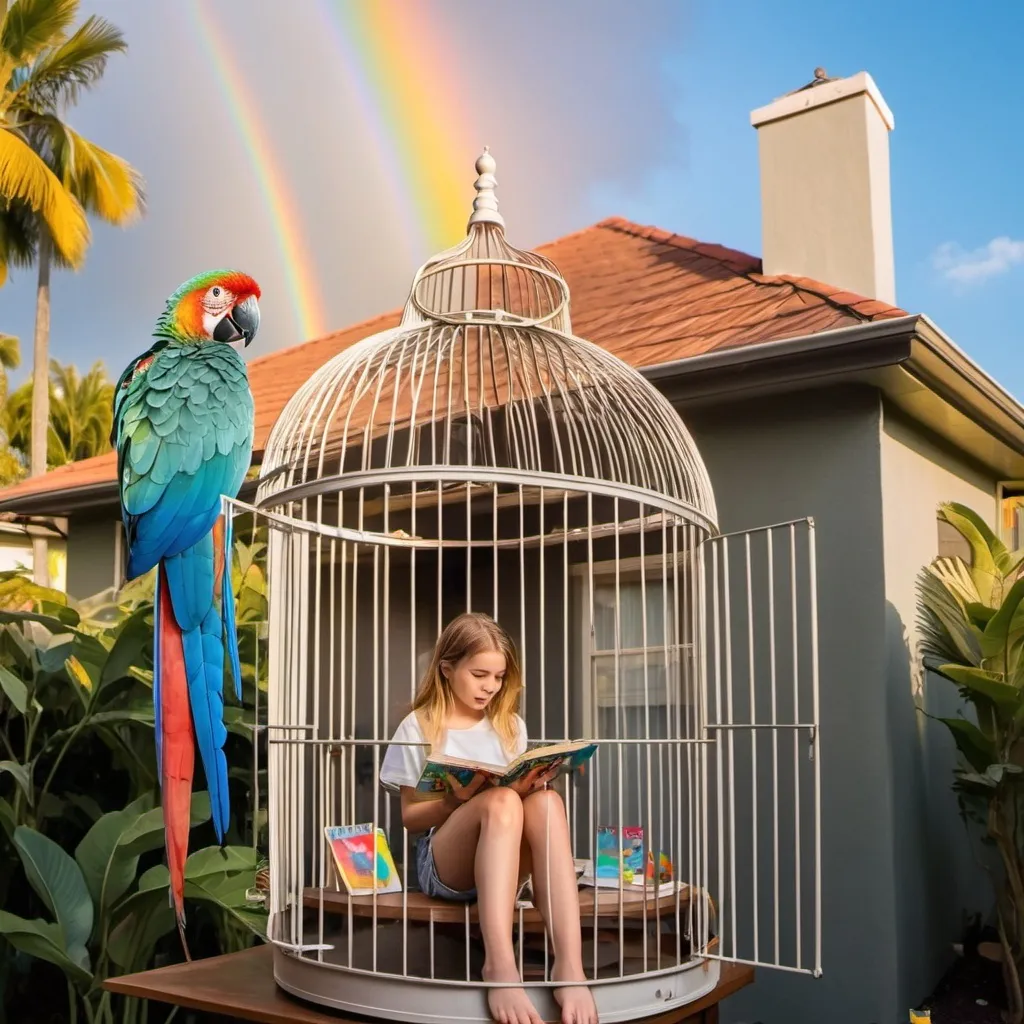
[(482, 841)]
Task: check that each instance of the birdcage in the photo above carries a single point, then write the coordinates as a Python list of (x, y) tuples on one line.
[(480, 457)]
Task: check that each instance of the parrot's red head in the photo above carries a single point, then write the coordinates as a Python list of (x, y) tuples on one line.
[(220, 305)]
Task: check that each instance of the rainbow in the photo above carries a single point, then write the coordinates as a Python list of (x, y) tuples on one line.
[(300, 270), (394, 63)]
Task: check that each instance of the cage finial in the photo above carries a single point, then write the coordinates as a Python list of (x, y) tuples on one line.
[(485, 206)]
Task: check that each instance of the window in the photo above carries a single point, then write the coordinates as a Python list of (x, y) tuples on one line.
[(1011, 514), (646, 614)]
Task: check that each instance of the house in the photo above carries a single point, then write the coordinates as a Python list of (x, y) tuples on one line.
[(805, 398), (17, 550)]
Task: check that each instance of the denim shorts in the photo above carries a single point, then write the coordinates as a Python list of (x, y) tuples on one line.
[(426, 874)]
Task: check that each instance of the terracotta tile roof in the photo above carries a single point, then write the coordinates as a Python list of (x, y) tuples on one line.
[(645, 294)]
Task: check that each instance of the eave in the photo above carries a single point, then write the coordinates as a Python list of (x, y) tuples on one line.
[(915, 366), (909, 359)]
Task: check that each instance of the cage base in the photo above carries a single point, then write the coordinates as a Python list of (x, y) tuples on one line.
[(420, 1002)]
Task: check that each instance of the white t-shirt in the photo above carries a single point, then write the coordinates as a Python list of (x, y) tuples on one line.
[(402, 766)]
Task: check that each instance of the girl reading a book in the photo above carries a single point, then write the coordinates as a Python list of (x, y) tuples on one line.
[(483, 841)]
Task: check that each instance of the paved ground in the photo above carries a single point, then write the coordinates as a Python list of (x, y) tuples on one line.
[(956, 999)]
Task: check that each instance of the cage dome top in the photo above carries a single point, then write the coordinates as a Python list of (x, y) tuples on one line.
[(483, 380), (484, 279)]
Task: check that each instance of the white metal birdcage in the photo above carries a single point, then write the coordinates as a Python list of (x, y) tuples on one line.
[(480, 457)]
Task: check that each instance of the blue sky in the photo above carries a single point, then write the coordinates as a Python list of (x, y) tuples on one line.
[(591, 107)]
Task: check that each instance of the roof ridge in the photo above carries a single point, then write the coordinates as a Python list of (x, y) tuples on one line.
[(360, 325), (735, 259), (750, 267), (838, 298), (569, 237)]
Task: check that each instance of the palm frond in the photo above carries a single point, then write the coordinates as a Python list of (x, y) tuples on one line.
[(31, 26), (58, 76), (956, 576), (81, 409), (10, 352), (12, 465), (25, 177), (81, 413), (945, 630), (104, 183), (19, 236), (16, 417)]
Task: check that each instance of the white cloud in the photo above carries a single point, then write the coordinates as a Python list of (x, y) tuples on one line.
[(965, 267)]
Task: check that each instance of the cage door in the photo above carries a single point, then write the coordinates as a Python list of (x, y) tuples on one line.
[(761, 821)]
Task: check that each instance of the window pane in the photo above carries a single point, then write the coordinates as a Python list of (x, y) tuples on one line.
[(634, 687), (631, 614)]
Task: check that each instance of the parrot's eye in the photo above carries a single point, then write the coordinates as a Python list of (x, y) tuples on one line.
[(216, 293)]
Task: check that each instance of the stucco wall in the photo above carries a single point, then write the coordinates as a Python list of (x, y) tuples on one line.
[(936, 870), (898, 871), (818, 455), (90, 555)]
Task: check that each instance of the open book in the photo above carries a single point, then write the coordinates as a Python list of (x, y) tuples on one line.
[(559, 757)]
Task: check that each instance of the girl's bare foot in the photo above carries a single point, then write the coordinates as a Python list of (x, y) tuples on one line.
[(576, 1001), (510, 1005)]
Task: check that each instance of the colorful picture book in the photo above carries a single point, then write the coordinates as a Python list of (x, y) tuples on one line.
[(558, 757), (615, 856), (363, 866), (620, 855)]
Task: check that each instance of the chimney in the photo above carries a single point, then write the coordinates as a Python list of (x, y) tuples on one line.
[(825, 206)]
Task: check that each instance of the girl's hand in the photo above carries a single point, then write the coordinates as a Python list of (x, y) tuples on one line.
[(460, 794), (536, 778)]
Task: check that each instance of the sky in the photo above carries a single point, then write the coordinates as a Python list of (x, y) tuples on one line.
[(327, 147)]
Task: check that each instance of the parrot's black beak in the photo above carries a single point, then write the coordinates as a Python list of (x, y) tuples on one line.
[(241, 324), (247, 318)]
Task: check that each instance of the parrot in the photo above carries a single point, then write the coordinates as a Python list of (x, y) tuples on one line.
[(183, 429)]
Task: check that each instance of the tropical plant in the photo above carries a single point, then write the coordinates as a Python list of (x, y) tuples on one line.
[(81, 410), (971, 618), (79, 820), (12, 464), (10, 359), (48, 65), (39, 57)]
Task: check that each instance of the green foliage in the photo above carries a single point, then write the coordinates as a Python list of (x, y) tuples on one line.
[(49, 172), (80, 820), (81, 411), (971, 619)]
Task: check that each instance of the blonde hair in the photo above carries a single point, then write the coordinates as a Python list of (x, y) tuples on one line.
[(464, 637)]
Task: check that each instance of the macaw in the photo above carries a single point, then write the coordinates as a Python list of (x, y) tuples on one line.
[(183, 430)]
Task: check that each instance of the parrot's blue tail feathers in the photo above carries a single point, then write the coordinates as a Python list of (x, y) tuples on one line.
[(204, 666), (191, 580)]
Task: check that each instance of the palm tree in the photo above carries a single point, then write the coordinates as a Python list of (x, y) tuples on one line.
[(99, 182), (10, 359), (38, 57), (12, 466), (81, 411)]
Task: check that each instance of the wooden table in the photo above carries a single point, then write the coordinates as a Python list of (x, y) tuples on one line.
[(242, 986)]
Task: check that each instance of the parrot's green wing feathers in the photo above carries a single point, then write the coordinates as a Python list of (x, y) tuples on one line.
[(184, 438)]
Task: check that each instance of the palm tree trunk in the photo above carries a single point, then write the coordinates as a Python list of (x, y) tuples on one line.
[(41, 395)]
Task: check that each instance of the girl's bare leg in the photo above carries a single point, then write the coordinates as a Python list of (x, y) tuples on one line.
[(555, 895), (479, 845)]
